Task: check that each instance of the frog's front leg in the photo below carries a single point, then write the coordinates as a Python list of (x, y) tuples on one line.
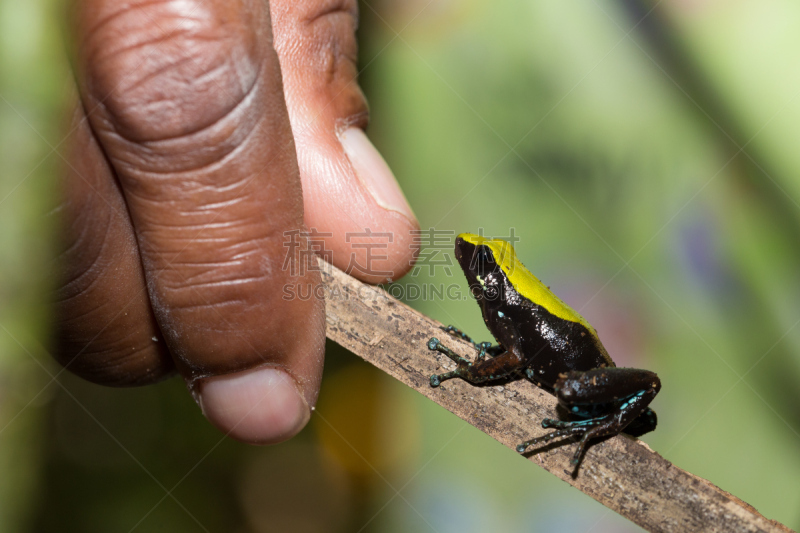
[(455, 332), (484, 348), (478, 372), (618, 396)]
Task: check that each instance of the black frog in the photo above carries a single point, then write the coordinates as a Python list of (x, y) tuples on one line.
[(542, 338)]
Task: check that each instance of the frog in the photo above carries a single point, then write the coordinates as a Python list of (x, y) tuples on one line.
[(541, 338)]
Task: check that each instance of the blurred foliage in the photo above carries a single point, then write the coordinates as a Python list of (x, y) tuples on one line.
[(644, 158), (31, 83)]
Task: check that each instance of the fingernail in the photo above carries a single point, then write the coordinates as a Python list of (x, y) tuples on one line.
[(261, 406), (373, 172)]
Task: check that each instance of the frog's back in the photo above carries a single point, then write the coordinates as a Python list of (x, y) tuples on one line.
[(552, 345)]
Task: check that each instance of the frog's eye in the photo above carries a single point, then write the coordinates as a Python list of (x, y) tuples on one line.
[(483, 257), (482, 261)]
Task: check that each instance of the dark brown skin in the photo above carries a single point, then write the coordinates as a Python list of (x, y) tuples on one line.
[(182, 182)]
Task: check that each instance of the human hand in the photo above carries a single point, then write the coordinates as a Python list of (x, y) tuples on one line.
[(198, 120)]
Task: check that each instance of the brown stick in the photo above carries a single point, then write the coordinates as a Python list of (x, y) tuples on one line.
[(622, 473)]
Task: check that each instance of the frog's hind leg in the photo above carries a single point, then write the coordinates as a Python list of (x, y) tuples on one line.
[(634, 406), (478, 372), (622, 394)]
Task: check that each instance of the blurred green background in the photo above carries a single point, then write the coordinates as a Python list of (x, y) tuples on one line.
[(646, 155)]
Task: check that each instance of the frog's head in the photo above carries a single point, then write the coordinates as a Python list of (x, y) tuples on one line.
[(482, 261)]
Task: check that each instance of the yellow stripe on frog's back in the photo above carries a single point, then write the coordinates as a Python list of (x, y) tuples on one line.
[(526, 283)]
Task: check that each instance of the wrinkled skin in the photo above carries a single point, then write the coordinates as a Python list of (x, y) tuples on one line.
[(204, 131)]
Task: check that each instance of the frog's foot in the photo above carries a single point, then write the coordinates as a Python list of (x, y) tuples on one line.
[(487, 348), (435, 345), (484, 348), (566, 432), (462, 371), (437, 379), (562, 424), (568, 428), (553, 423), (455, 332)]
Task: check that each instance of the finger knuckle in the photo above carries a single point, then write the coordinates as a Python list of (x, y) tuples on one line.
[(332, 31), (165, 69), (318, 40)]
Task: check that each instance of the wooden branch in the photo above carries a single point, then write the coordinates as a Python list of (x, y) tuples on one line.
[(622, 473)]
